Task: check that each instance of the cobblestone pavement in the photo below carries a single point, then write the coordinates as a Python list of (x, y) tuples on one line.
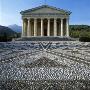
[(45, 65)]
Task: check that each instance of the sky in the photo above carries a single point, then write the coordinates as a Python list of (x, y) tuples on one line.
[(10, 10)]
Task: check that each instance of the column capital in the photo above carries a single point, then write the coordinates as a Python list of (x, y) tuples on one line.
[(35, 18), (55, 18), (28, 18), (42, 18), (48, 18), (61, 18)]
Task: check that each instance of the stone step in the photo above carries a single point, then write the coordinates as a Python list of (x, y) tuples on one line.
[(46, 39)]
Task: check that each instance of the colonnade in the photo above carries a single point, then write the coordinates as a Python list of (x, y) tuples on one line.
[(27, 27)]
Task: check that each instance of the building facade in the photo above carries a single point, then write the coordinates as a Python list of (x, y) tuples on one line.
[(45, 21)]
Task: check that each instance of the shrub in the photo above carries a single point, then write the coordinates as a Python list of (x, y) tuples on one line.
[(84, 39)]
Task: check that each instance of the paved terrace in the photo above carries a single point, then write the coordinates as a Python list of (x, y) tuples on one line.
[(62, 65)]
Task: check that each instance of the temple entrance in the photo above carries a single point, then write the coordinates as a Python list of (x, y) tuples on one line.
[(45, 32), (45, 27)]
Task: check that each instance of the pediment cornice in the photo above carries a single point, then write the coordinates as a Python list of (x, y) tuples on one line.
[(45, 6)]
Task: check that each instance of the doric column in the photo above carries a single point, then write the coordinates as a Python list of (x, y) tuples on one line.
[(55, 27), (35, 27), (67, 27), (28, 29), (22, 27), (61, 27), (48, 28), (25, 28), (41, 27)]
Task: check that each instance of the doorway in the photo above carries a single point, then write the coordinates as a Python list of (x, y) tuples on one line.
[(45, 27), (45, 32)]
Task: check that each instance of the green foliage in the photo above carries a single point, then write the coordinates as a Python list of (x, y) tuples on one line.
[(18, 35), (6, 34), (85, 34), (84, 39), (80, 27), (74, 34), (77, 31)]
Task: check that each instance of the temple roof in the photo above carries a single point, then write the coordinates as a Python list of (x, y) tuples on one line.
[(45, 6)]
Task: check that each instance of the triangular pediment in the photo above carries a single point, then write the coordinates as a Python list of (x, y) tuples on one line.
[(44, 62), (45, 9)]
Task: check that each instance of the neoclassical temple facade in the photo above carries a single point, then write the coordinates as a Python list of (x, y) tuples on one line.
[(45, 21)]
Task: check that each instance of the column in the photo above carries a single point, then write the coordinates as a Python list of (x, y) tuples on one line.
[(67, 27), (35, 27), (22, 27), (55, 27), (48, 28), (41, 27), (28, 29), (61, 27), (25, 28)]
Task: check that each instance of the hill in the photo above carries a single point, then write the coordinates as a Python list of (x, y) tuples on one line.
[(6, 34), (8, 31), (15, 28)]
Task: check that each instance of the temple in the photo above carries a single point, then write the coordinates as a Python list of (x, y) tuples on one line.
[(45, 21)]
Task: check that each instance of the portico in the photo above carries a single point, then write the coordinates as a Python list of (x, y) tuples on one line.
[(45, 21)]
